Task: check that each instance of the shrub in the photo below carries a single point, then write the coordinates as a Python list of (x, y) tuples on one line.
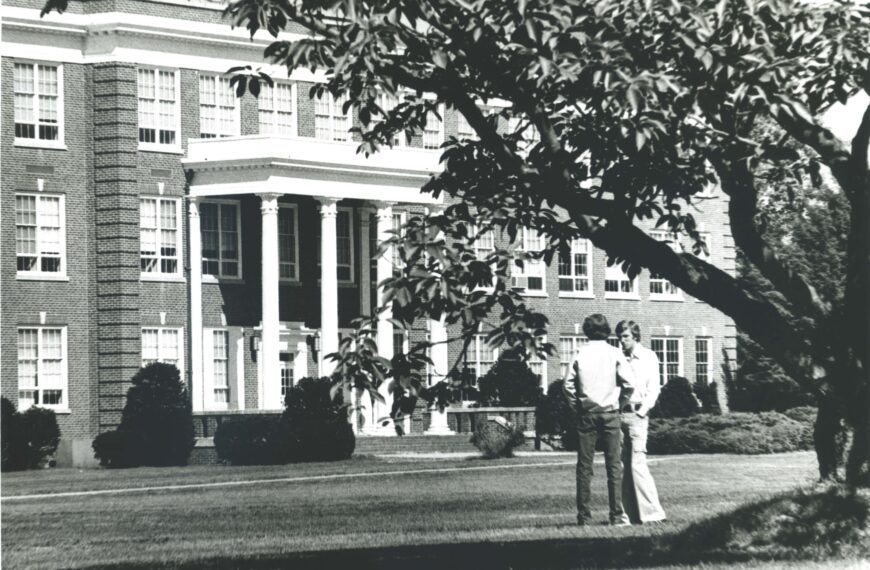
[(29, 437), (510, 382), (248, 440), (554, 420), (156, 424), (708, 394), (314, 425), (676, 400), (736, 432), (497, 437)]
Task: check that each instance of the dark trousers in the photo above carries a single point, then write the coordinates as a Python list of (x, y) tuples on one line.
[(591, 427)]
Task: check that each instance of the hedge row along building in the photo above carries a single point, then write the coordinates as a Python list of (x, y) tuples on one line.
[(150, 214)]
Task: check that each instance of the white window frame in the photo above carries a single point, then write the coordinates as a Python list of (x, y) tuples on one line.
[(210, 368), (478, 344), (669, 291), (483, 245), (157, 146), (439, 133), (294, 212), (615, 273), (220, 275), (579, 246), (64, 373), (387, 102), (39, 274), (464, 130), (399, 219), (179, 242), (217, 80), (533, 358), (573, 342), (273, 112), (333, 106), (287, 371), (36, 141), (161, 330), (664, 376), (520, 276), (708, 367), (352, 241)]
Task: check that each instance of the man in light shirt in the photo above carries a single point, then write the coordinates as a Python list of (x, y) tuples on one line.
[(638, 487), (598, 378)]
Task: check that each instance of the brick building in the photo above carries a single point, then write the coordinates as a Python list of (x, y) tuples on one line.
[(149, 214)]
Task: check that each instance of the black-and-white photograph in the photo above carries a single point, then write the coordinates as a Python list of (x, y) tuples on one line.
[(435, 284)]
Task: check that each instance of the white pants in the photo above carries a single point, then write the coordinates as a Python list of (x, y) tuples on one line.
[(639, 494)]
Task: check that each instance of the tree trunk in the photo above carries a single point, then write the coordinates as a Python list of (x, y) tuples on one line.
[(825, 434), (857, 468)]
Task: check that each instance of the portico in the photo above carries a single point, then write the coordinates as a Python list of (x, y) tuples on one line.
[(333, 175)]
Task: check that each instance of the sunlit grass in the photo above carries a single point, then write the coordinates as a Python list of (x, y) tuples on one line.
[(398, 512)]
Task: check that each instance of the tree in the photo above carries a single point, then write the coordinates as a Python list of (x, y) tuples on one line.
[(639, 105)]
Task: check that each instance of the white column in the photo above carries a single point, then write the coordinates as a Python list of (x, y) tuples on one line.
[(269, 344), (438, 353), (385, 328), (328, 284), (195, 257)]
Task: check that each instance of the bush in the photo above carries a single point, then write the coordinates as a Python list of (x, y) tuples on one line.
[(510, 382), (29, 437), (708, 394), (736, 432), (248, 440), (554, 420), (314, 426), (156, 424), (676, 400), (497, 438)]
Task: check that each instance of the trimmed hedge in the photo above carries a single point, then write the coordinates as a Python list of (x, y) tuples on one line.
[(497, 438), (248, 440), (677, 400), (737, 432), (29, 438), (156, 424)]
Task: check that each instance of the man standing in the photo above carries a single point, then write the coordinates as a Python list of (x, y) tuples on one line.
[(597, 378), (638, 487)]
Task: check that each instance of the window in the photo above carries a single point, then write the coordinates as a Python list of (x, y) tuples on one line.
[(162, 344), (218, 108), (344, 244), (659, 287), (42, 368), (568, 345), (158, 236), (396, 259), (575, 271), (286, 374), (484, 245), (481, 357), (38, 90), (277, 109), (463, 129), (670, 353), (39, 234), (221, 367), (531, 276), (221, 239), (703, 362), (288, 244), (538, 365), (387, 103), (330, 122), (158, 108), (433, 132), (617, 285)]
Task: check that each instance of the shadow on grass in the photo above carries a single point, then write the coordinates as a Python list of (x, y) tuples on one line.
[(805, 524)]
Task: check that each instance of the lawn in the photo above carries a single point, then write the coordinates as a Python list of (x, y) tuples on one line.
[(366, 512)]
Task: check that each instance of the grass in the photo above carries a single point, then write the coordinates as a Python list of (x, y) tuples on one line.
[(452, 514)]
